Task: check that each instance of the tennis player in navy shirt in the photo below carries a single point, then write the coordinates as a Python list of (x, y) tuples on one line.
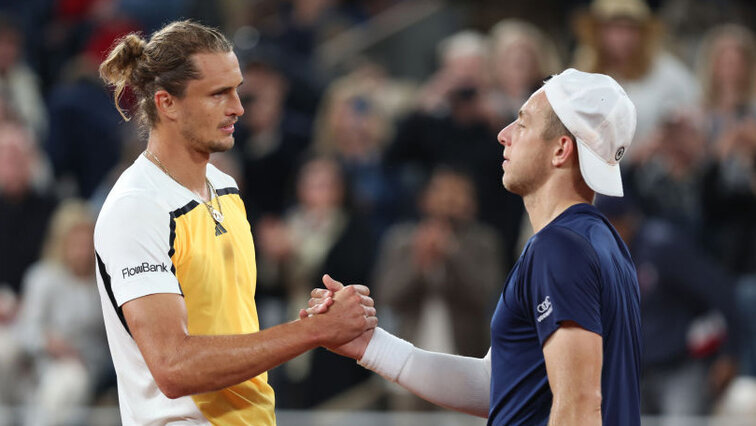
[(565, 336)]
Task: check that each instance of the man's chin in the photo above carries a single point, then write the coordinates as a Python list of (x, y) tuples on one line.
[(510, 187), (222, 145)]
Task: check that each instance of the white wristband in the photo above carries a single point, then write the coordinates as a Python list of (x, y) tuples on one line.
[(386, 354)]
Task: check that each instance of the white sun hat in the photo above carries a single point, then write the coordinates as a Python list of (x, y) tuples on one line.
[(597, 111)]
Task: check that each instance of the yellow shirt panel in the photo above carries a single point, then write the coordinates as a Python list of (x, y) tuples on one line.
[(217, 275)]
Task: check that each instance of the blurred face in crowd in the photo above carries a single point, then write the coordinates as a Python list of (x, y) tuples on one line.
[(730, 64), (320, 185), (16, 159), (684, 144), (10, 44), (526, 155), (78, 253), (449, 196), (465, 69), (263, 95), (210, 106), (516, 67), (620, 39), (355, 124)]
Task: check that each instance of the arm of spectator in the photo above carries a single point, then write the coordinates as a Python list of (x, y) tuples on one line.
[(573, 364)]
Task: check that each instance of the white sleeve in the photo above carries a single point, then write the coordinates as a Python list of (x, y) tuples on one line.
[(132, 242), (451, 381)]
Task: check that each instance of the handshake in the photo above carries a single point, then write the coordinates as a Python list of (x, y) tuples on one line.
[(346, 316)]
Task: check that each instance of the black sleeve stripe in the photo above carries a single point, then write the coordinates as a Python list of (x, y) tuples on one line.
[(229, 190), (172, 238), (109, 289)]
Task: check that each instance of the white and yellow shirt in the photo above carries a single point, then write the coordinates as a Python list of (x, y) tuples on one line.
[(155, 236)]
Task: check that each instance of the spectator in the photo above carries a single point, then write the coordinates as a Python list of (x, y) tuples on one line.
[(354, 124), (622, 38), (318, 235), (688, 356), (85, 137), (24, 211), (670, 183), (522, 56), (60, 323), (445, 265), (726, 66), (461, 77), (271, 137), (19, 85), (728, 75), (453, 128)]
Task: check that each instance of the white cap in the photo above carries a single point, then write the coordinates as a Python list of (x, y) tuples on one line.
[(597, 111)]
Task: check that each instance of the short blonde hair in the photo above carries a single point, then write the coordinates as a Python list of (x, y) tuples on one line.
[(68, 215), (508, 32)]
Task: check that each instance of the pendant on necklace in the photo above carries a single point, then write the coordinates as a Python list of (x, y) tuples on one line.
[(219, 229), (217, 216)]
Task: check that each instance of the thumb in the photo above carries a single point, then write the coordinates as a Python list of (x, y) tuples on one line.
[(332, 284)]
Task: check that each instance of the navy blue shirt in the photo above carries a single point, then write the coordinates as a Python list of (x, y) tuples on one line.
[(575, 269)]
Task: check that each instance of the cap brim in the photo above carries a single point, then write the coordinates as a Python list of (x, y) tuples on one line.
[(602, 177)]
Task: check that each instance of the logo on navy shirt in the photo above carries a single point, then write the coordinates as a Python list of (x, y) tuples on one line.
[(144, 267), (544, 309)]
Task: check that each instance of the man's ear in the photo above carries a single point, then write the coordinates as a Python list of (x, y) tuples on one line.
[(564, 152), (165, 104)]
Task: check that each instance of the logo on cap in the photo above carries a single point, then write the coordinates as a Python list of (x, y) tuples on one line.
[(620, 153)]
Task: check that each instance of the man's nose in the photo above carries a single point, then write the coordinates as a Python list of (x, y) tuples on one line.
[(503, 136), (237, 108)]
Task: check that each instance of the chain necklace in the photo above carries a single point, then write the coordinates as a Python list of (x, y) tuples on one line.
[(216, 215)]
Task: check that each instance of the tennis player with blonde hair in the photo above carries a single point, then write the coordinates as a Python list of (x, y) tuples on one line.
[(175, 257)]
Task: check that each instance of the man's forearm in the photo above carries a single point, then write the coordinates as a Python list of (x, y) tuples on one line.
[(452, 381), (200, 364)]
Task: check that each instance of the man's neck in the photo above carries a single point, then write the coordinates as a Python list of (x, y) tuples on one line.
[(181, 162), (551, 200)]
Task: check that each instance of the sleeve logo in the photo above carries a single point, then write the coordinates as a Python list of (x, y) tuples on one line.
[(144, 267), (544, 309)]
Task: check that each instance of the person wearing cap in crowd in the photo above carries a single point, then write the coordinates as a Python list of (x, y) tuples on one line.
[(565, 336)]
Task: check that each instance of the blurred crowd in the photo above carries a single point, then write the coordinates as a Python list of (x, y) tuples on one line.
[(355, 169)]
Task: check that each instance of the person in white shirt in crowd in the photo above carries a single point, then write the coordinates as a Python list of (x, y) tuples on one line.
[(59, 324), (622, 38)]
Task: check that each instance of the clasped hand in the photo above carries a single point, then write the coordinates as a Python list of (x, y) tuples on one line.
[(356, 336)]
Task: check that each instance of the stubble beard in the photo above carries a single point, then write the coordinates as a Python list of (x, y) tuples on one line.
[(208, 146)]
